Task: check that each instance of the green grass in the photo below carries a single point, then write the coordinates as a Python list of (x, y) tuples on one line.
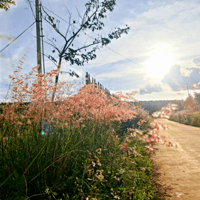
[(77, 163)]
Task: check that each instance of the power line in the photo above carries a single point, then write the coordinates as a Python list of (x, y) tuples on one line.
[(46, 56), (17, 37), (125, 57), (48, 27), (31, 8)]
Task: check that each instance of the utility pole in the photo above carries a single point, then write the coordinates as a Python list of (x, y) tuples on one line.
[(38, 36), (37, 10)]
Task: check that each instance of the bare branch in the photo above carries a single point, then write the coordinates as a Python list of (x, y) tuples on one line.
[(54, 46), (31, 8), (50, 44), (87, 46), (53, 26), (79, 14), (74, 36), (47, 57), (69, 22), (72, 39)]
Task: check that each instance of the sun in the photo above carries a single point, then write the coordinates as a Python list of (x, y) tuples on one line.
[(158, 65)]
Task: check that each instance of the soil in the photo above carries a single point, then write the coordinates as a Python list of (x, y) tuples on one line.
[(178, 167)]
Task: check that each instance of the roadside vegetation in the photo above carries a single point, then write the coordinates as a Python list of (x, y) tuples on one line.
[(89, 154), (190, 115), (187, 118)]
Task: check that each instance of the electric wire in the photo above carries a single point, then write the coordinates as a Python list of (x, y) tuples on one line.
[(50, 28), (16, 37), (45, 55), (31, 9)]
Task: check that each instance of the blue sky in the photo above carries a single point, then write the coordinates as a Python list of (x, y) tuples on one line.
[(158, 57)]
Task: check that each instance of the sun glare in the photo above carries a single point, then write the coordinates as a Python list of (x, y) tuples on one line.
[(159, 65)]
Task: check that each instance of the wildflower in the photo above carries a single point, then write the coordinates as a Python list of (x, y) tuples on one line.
[(141, 121), (116, 138), (133, 134), (99, 174), (93, 164), (90, 173), (98, 151), (121, 171), (28, 122), (97, 161)]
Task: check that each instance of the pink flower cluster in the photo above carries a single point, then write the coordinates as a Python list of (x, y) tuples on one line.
[(89, 104), (141, 121), (153, 138)]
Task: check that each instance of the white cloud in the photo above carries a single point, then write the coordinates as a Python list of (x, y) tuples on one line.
[(168, 26)]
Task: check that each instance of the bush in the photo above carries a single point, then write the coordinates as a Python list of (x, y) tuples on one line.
[(195, 119), (187, 118)]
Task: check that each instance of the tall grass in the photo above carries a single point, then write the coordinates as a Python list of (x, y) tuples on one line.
[(86, 156)]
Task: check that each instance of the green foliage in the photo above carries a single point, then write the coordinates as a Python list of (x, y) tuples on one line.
[(4, 4), (197, 99), (195, 119), (190, 115), (134, 123), (187, 118), (190, 104), (74, 164)]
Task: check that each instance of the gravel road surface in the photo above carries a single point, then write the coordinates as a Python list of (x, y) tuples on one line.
[(179, 166)]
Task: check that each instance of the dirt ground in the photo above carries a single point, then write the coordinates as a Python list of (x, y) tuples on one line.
[(179, 166)]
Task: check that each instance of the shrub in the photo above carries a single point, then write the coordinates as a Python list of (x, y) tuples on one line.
[(187, 118), (195, 119)]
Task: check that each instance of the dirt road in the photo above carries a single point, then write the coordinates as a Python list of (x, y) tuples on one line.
[(179, 167)]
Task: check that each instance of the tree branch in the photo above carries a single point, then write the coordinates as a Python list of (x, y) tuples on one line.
[(69, 22), (74, 36), (53, 26), (54, 46), (87, 46), (47, 57), (78, 13), (50, 44)]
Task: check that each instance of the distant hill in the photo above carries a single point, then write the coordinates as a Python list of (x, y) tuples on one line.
[(153, 106)]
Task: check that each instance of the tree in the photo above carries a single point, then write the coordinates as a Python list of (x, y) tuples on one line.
[(197, 99), (4, 4), (190, 104), (95, 12), (180, 105)]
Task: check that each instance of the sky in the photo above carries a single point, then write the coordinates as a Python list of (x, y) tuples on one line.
[(159, 57)]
